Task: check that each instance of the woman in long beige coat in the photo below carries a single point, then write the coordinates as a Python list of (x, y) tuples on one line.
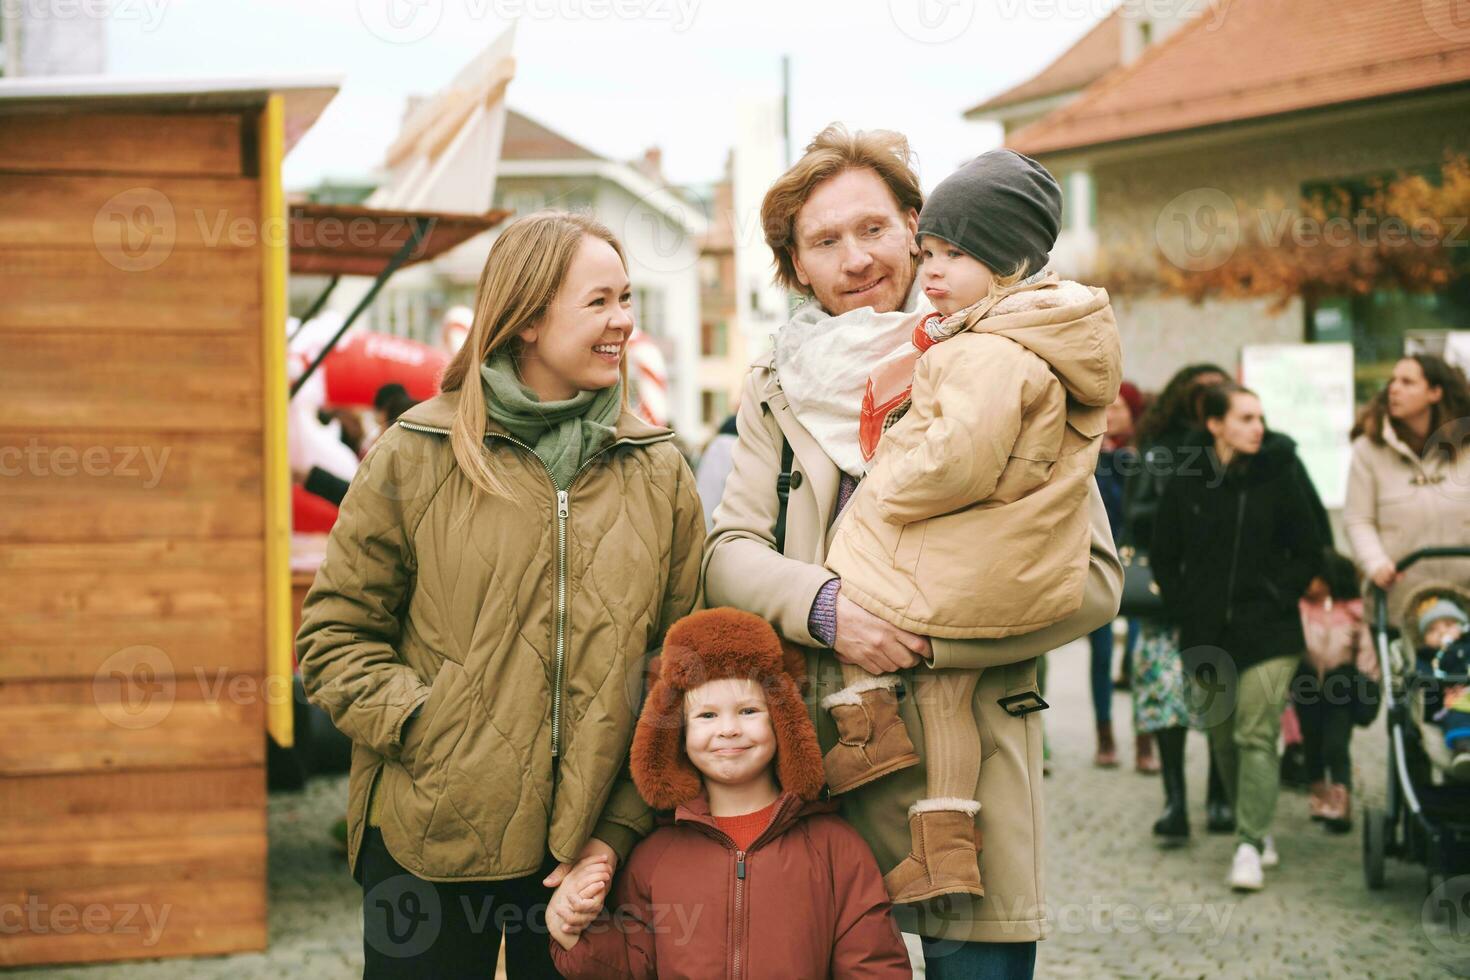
[(506, 556), (1409, 485)]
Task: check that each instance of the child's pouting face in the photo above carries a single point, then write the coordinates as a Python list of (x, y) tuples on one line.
[(727, 731), (1442, 631), (952, 279)]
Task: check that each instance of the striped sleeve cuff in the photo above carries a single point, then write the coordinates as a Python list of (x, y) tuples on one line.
[(822, 621)]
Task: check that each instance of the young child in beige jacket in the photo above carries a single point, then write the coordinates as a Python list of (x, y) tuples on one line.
[(972, 520)]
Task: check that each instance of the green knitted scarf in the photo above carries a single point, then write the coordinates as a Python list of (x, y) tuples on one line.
[(564, 434)]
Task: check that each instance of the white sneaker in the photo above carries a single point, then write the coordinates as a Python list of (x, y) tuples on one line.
[(1269, 857), (1245, 870)]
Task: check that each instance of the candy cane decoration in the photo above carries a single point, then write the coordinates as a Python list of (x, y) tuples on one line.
[(648, 379)]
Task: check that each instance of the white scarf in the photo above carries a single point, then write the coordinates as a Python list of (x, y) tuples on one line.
[(823, 363)]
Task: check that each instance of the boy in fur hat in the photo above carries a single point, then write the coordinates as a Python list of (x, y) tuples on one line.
[(972, 520), (753, 874)]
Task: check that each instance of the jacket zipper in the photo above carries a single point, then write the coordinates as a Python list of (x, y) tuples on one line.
[(1234, 558), (563, 512), (739, 915)]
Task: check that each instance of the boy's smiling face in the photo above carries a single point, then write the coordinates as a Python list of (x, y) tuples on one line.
[(727, 731), (952, 279)]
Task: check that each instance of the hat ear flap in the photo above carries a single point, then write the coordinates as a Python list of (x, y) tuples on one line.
[(798, 756), (661, 770)]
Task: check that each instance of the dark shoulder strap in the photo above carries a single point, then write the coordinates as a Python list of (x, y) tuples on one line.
[(783, 494)]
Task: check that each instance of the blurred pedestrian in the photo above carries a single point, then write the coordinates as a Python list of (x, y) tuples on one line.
[(1339, 653), (1115, 461), (1160, 705), (715, 464), (1237, 538)]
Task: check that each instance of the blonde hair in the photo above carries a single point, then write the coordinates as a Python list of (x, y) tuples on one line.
[(834, 151), (523, 273)]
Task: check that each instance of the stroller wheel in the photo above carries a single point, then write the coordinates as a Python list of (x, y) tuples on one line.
[(1375, 839)]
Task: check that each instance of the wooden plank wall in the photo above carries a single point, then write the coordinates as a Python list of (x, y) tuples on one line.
[(132, 647)]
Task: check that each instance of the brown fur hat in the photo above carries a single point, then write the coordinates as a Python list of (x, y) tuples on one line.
[(717, 644)]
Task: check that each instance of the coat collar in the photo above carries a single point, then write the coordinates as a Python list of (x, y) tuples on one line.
[(437, 415), (790, 808)]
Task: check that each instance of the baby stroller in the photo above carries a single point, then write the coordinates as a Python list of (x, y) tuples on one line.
[(1425, 819)]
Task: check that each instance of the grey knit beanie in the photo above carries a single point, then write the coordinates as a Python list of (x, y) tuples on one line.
[(1001, 207)]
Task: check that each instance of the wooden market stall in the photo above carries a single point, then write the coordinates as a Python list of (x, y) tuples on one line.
[(145, 628)]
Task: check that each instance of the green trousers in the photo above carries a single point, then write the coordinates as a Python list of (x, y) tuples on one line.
[(1243, 737)]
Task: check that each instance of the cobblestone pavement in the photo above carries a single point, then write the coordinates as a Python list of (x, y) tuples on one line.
[(1120, 907)]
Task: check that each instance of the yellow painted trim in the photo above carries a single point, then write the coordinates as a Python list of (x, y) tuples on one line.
[(273, 239)]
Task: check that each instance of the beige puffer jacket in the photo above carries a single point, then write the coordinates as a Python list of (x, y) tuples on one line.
[(973, 521), (520, 623)]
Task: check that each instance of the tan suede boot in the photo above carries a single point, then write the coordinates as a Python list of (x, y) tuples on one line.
[(872, 740), (944, 856)]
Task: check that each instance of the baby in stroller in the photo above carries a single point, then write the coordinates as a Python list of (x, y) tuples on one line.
[(1437, 614)]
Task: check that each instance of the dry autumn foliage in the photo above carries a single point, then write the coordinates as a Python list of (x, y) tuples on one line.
[(1408, 233)]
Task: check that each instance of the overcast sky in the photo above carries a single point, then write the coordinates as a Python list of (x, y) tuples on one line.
[(622, 75)]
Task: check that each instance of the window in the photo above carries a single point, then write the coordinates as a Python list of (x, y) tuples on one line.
[(648, 310), (714, 406), (714, 339)]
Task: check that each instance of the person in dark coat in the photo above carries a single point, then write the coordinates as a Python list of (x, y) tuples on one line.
[(1236, 541), (1156, 674)]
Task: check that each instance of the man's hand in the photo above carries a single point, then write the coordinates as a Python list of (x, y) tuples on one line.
[(877, 647), (578, 899)]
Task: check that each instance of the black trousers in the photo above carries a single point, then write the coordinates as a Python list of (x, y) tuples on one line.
[(1325, 709), (414, 928)]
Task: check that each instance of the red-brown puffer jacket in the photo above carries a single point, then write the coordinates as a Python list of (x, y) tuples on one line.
[(805, 901)]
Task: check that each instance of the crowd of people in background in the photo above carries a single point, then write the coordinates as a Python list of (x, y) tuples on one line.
[(1241, 618)]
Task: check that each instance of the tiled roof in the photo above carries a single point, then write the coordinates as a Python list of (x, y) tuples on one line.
[(1249, 59), (526, 139), (1097, 53)]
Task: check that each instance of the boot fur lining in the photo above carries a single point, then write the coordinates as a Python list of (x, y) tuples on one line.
[(852, 693)]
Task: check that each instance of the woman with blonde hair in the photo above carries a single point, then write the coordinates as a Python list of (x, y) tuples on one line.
[(507, 554)]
